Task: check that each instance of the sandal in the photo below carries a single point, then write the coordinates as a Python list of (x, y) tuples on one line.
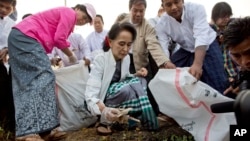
[(103, 130), (30, 137)]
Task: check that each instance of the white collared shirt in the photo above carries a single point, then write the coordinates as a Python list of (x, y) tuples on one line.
[(192, 32), (95, 40), (5, 27)]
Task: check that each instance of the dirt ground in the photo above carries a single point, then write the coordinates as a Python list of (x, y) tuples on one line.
[(171, 132)]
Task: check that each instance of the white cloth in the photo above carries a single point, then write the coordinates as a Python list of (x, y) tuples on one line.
[(5, 27), (71, 83), (101, 74), (192, 32), (78, 45), (181, 97), (95, 41)]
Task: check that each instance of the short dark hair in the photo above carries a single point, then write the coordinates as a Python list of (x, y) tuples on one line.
[(13, 2), (115, 31), (220, 10), (26, 15), (100, 16), (236, 32), (132, 2), (83, 9)]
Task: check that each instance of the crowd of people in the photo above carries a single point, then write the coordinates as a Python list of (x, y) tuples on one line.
[(121, 60)]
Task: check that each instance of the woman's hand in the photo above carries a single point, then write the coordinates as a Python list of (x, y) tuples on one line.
[(110, 114), (55, 61)]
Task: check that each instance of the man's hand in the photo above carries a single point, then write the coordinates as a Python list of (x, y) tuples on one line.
[(142, 72), (196, 68), (232, 90), (196, 71), (168, 65)]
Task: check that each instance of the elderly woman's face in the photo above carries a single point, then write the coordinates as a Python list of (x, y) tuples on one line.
[(121, 45)]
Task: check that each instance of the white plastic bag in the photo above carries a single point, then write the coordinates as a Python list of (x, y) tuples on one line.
[(71, 83), (188, 102)]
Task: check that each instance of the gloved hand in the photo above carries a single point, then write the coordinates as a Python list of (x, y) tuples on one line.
[(72, 59), (55, 61), (110, 115)]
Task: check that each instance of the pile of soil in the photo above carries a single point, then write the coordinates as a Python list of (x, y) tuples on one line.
[(168, 133)]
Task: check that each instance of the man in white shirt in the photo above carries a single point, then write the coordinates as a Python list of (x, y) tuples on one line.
[(95, 39), (80, 48), (186, 24)]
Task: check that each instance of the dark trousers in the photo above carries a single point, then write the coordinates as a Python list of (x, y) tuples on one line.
[(7, 111), (213, 67)]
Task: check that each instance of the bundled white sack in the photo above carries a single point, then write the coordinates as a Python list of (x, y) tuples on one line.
[(180, 96), (71, 83)]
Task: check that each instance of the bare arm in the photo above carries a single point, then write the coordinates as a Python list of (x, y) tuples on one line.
[(67, 51), (196, 68)]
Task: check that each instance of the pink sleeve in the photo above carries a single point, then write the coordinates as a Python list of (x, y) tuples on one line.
[(66, 25)]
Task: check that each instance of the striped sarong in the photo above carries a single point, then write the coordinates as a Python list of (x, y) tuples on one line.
[(132, 93)]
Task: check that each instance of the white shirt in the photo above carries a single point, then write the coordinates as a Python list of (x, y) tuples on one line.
[(95, 40), (153, 21), (5, 27), (78, 45), (192, 32)]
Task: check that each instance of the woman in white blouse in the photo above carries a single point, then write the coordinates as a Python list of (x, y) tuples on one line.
[(111, 85)]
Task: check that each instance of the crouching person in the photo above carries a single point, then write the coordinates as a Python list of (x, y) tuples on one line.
[(111, 86)]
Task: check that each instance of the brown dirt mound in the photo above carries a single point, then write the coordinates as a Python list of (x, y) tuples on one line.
[(170, 133)]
